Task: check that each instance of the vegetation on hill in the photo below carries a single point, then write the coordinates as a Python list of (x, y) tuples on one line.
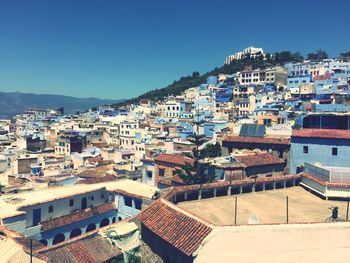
[(179, 86), (270, 60)]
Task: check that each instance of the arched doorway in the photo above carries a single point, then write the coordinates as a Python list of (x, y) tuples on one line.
[(58, 239), (75, 232), (104, 222), (90, 227)]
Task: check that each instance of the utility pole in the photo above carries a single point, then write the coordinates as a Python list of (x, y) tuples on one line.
[(235, 210), (31, 250), (347, 210), (287, 219)]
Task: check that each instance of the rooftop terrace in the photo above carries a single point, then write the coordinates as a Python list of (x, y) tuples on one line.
[(269, 207)]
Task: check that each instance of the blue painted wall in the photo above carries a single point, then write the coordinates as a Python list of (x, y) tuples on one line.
[(319, 151)]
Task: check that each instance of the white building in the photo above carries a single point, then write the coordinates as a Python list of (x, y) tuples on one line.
[(252, 51)]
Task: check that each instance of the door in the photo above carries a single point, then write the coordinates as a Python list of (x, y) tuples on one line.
[(36, 216), (83, 203)]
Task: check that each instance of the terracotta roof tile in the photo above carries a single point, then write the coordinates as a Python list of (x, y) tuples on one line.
[(77, 216), (325, 183), (262, 140), (173, 159), (88, 248), (175, 227), (322, 133), (260, 159), (95, 180), (188, 188)]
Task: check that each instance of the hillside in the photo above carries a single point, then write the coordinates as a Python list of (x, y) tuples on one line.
[(177, 87), (12, 103)]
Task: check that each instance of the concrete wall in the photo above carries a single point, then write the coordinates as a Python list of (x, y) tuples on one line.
[(66, 230), (124, 208), (62, 206)]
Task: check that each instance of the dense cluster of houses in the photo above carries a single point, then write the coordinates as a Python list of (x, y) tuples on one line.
[(68, 181)]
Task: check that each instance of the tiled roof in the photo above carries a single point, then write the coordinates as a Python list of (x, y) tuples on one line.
[(173, 159), (95, 180), (88, 248), (93, 160), (77, 216), (263, 140), (188, 188), (325, 183), (325, 76), (260, 159), (180, 230), (322, 133)]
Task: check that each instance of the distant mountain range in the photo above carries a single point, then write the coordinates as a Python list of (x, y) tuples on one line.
[(12, 103)]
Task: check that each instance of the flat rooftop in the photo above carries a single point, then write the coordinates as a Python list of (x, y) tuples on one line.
[(265, 207), (290, 243), (10, 203)]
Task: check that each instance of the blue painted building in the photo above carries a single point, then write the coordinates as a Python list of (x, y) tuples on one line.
[(323, 121), (224, 94), (148, 172), (324, 147), (296, 81), (212, 80), (211, 127), (184, 130)]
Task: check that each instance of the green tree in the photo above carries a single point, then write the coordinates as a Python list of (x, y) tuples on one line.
[(319, 55), (196, 173), (211, 150), (345, 56), (198, 140)]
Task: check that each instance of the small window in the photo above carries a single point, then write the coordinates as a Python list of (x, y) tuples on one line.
[(71, 202), (161, 172), (102, 196), (334, 151), (50, 209), (92, 198), (306, 149), (138, 204), (128, 201)]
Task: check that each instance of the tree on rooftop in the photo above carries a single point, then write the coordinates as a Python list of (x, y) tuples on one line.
[(286, 56), (196, 173), (318, 55), (211, 150), (198, 140), (345, 56)]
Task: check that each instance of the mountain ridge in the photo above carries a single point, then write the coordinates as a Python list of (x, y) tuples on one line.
[(13, 103)]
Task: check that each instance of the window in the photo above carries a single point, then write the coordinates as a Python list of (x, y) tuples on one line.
[(334, 151), (306, 149), (92, 198), (71, 202), (128, 201), (50, 209), (161, 172), (138, 204), (102, 196)]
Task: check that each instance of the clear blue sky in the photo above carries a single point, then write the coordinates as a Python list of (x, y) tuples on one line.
[(118, 49)]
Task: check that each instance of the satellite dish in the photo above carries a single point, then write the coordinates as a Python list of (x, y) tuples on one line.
[(253, 220)]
